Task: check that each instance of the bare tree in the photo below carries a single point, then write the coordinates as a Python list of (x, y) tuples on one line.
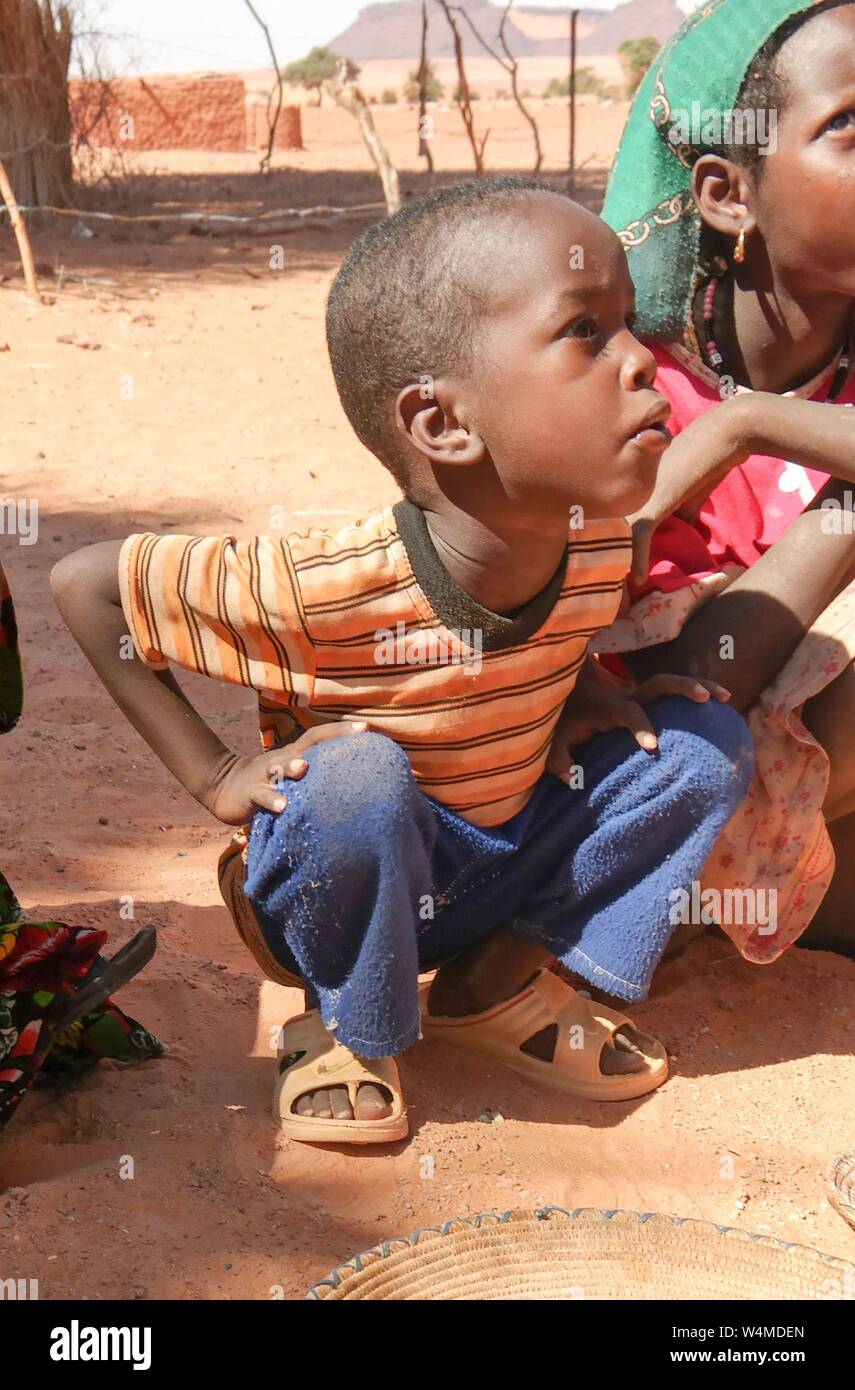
[(19, 227), (272, 117), (511, 66), (464, 99), (346, 92), (35, 125), (424, 71)]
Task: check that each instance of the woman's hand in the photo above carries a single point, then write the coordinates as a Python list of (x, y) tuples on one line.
[(246, 785), (597, 708)]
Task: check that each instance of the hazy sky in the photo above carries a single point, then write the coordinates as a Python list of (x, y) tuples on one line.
[(186, 35)]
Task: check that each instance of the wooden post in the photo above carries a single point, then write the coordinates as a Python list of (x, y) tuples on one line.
[(424, 143), (349, 96), (464, 100), (272, 122), (571, 182), (22, 236)]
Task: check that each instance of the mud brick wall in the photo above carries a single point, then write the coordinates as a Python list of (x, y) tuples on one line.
[(175, 113), (289, 130)]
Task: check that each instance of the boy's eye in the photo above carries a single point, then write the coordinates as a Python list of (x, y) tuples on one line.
[(844, 121), (583, 329)]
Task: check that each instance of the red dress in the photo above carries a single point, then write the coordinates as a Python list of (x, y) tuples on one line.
[(750, 509)]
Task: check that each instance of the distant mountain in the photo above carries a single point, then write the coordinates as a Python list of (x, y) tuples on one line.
[(393, 30), (635, 20)]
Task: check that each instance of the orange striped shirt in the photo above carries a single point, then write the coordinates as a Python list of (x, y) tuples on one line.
[(366, 624)]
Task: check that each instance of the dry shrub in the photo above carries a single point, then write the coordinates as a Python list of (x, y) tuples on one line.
[(35, 125)]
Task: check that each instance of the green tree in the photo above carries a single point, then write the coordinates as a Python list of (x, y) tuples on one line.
[(318, 65), (636, 55), (389, 97), (588, 83), (435, 89)]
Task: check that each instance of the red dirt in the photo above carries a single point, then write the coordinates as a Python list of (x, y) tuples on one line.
[(234, 413)]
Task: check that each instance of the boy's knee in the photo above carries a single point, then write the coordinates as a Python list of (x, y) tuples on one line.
[(348, 808), (711, 741), (350, 776)]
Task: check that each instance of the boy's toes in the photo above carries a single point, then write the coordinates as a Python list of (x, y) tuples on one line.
[(340, 1101), (628, 1053), (334, 1104), (372, 1103), (321, 1105)]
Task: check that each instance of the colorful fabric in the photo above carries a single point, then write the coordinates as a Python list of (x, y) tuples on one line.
[(42, 964), (649, 200), (777, 837), (753, 505), (367, 624)]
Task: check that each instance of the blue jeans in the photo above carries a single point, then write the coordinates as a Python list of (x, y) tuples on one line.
[(363, 881)]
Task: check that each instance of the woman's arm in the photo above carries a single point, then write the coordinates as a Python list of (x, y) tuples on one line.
[(744, 637), (810, 433)]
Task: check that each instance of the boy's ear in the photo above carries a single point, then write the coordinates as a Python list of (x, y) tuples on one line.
[(425, 415), (723, 192)]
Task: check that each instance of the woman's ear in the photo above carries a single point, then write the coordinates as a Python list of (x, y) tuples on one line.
[(724, 195), (424, 413)]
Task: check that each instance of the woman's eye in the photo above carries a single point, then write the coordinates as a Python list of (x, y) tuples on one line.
[(584, 329), (845, 121)]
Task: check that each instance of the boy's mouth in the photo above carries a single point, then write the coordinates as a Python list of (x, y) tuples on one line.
[(653, 434)]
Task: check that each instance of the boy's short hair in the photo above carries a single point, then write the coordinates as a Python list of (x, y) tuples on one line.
[(406, 300)]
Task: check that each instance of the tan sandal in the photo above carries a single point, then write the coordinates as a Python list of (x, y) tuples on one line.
[(584, 1028), (324, 1063)]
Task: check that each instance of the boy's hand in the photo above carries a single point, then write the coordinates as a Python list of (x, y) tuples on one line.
[(694, 464), (247, 785), (596, 708)]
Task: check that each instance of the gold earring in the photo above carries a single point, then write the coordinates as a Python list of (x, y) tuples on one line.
[(739, 251)]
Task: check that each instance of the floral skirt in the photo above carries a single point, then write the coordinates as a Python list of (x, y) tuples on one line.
[(777, 841)]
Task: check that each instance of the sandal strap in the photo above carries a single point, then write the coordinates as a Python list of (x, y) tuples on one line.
[(327, 1062), (548, 1001), (566, 1007)]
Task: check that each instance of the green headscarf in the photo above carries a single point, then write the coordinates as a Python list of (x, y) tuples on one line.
[(649, 201)]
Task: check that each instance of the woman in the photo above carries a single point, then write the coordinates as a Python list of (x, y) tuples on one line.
[(741, 242)]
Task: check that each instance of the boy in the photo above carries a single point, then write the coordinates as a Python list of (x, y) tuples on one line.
[(413, 673)]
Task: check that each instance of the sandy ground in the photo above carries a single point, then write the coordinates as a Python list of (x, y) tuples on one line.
[(234, 414)]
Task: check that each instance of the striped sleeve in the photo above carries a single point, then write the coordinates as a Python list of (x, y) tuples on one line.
[(225, 608)]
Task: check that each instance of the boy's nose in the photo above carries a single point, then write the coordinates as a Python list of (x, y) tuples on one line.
[(639, 365)]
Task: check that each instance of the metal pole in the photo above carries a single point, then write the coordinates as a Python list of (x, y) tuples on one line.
[(571, 181)]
